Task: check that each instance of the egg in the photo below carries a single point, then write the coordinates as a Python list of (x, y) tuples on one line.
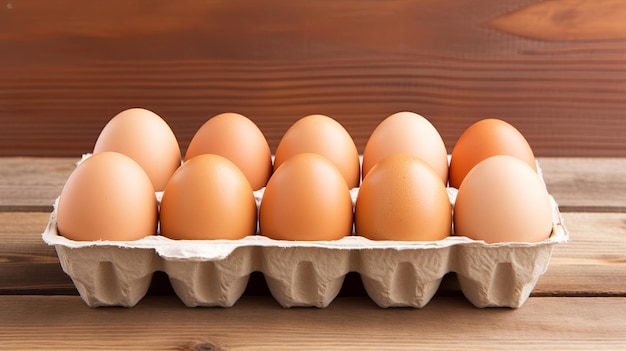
[(208, 197), (485, 138), (402, 198), (146, 138), (107, 197), (407, 133), (238, 139), (306, 198), (324, 136), (502, 199)]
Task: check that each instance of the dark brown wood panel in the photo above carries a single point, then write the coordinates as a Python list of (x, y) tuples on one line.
[(556, 69)]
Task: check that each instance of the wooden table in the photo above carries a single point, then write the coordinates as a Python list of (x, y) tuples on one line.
[(580, 303), (554, 69)]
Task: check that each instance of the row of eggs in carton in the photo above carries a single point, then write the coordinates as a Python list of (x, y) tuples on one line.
[(398, 215)]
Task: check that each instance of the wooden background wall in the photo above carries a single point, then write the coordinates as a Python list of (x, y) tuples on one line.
[(555, 69)]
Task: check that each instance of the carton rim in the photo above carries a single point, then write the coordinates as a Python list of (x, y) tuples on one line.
[(218, 249)]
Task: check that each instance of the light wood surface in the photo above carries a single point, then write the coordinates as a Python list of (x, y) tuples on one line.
[(555, 69), (578, 304), (258, 323)]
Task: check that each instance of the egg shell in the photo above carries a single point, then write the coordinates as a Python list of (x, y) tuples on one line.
[(407, 133), (502, 199), (208, 197), (403, 198), (324, 136), (146, 138), (485, 138), (107, 197), (307, 198), (305, 273), (238, 139)]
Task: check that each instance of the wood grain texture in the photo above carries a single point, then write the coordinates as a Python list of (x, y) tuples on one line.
[(593, 263), (27, 264), (586, 184), (163, 323), (32, 184), (573, 20), (67, 67)]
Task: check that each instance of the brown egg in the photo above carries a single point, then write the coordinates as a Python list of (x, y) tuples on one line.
[(321, 135), (146, 138), (208, 198), (407, 133), (502, 199), (238, 139), (107, 197), (485, 138), (403, 198), (306, 199)]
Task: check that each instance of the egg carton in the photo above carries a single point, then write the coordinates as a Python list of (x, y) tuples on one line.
[(299, 273)]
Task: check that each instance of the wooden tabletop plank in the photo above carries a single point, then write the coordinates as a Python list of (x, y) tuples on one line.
[(578, 184), (586, 184), (163, 323), (32, 184), (593, 263), (28, 264)]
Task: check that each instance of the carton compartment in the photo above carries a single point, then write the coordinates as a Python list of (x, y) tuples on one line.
[(211, 283), (116, 276), (403, 278), (503, 277), (299, 276)]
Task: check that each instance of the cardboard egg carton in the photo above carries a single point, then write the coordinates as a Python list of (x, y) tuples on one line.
[(394, 273)]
